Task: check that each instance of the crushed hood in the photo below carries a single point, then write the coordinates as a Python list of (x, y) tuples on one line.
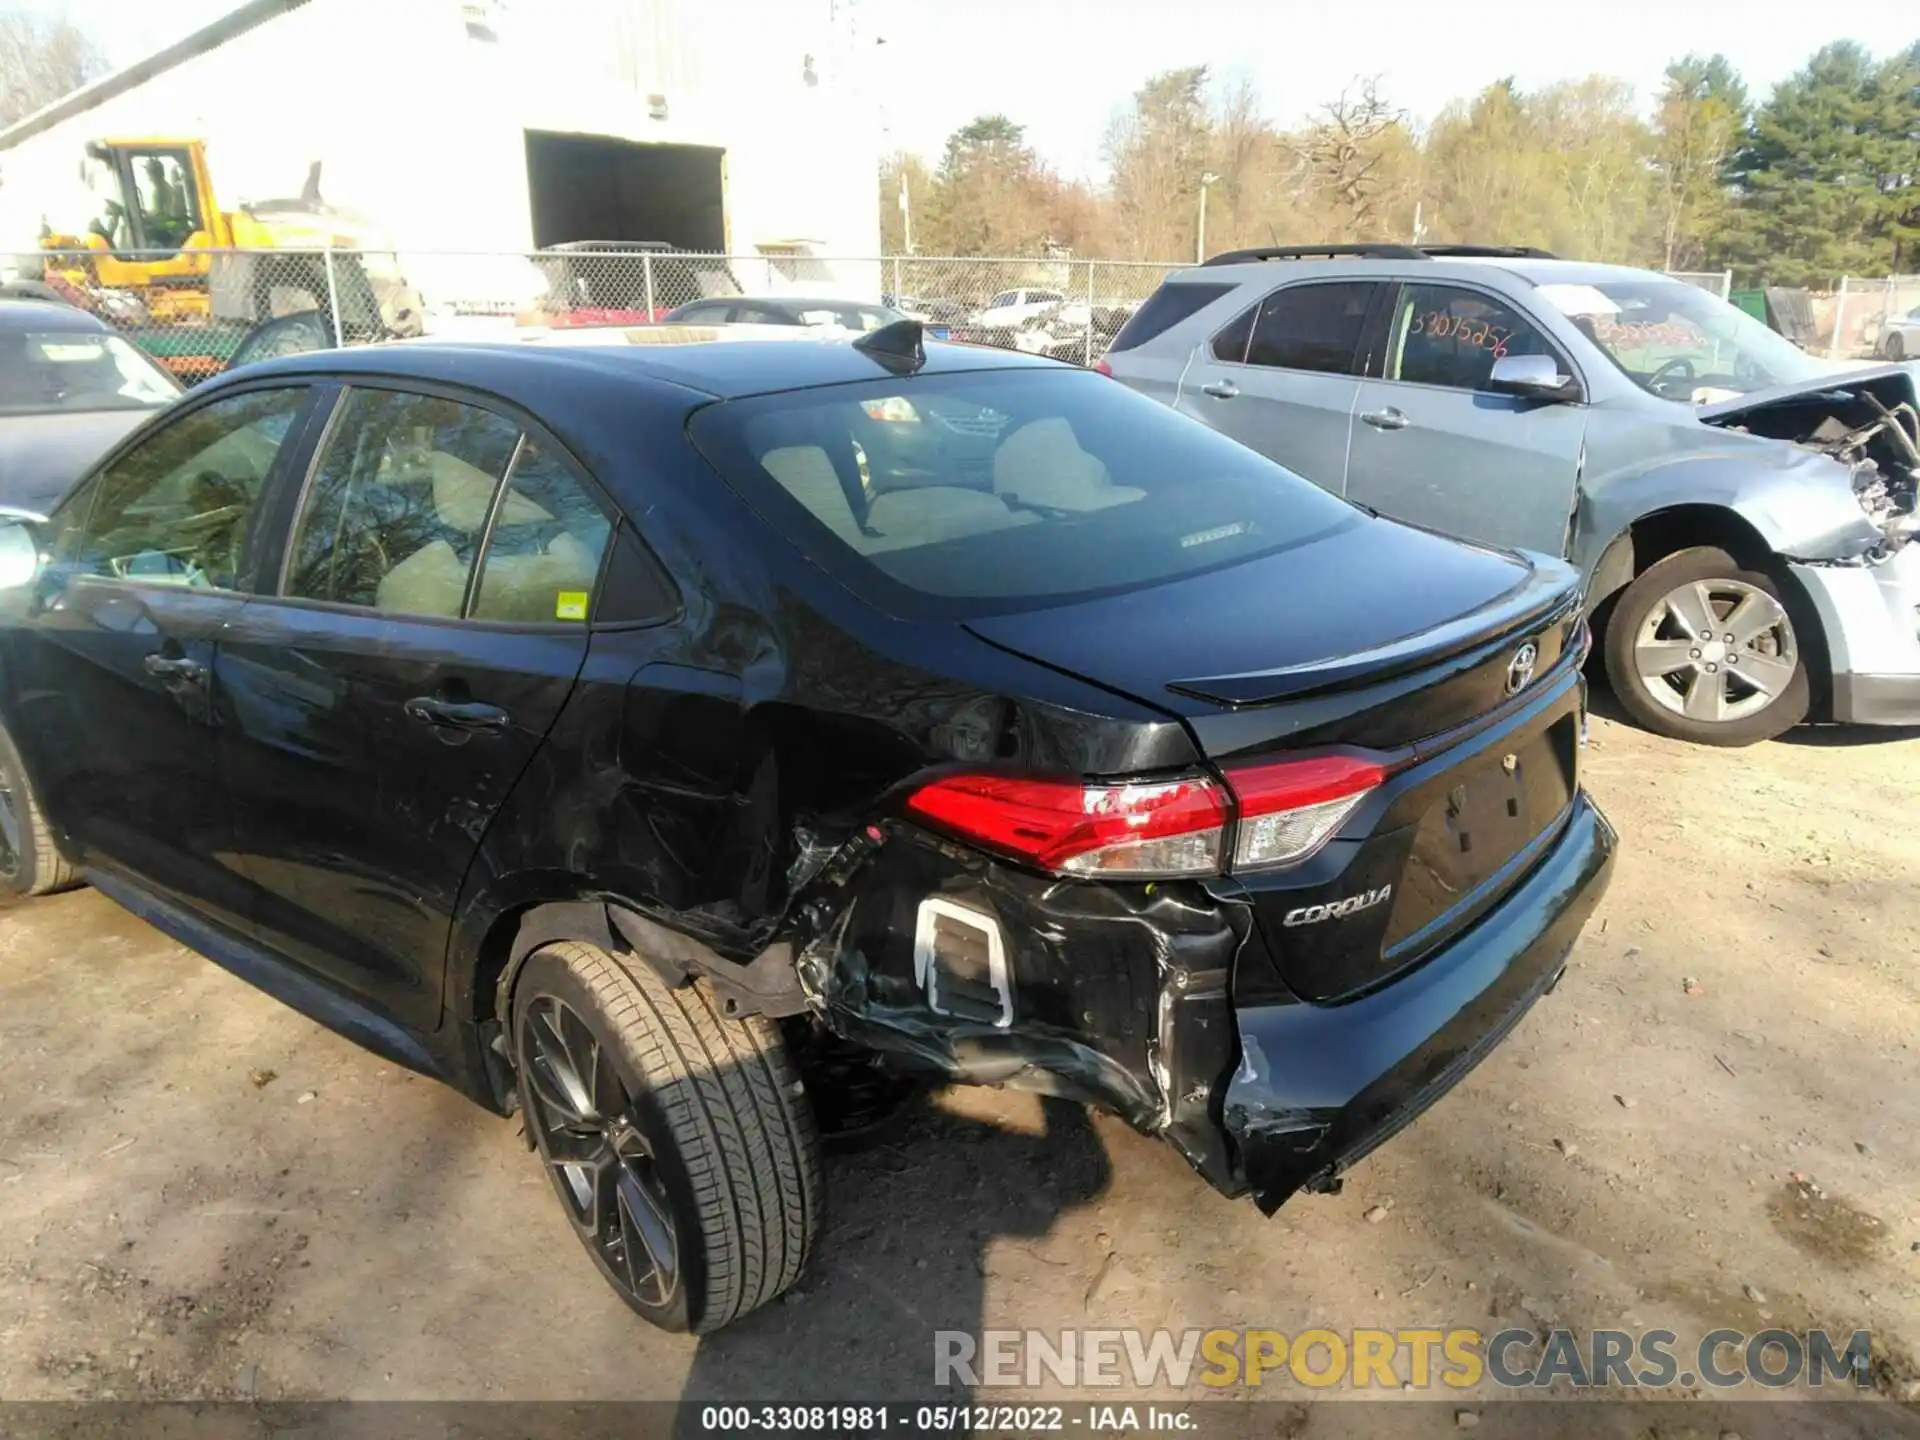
[(1892, 383)]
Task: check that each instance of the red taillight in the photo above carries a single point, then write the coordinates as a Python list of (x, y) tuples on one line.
[(1145, 829), (1290, 808), (1101, 367), (1137, 830)]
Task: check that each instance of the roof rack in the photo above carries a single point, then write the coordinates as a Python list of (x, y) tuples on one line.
[(1377, 251)]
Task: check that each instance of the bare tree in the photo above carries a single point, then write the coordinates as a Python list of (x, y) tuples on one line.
[(42, 57), (1344, 154)]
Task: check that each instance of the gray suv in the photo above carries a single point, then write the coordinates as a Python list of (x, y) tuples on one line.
[(1741, 510)]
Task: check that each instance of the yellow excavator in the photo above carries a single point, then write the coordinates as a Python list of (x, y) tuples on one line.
[(201, 287)]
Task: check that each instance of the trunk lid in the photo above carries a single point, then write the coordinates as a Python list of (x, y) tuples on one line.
[(1451, 664)]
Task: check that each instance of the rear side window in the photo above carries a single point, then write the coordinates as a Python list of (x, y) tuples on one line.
[(1166, 308), (979, 493), (1312, 327), (1231, 343), (545, 547), (395, 514)]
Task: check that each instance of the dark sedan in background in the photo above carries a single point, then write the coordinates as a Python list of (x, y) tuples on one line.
[(69, 389)]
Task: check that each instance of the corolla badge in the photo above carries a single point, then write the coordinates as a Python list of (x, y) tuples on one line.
[(1337, 909), (1520, 668)]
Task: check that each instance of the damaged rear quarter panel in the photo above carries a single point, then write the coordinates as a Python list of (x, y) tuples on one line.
[(702, 769), (1118, 993)]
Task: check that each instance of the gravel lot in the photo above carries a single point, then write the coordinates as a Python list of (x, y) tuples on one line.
[(204, 1195)]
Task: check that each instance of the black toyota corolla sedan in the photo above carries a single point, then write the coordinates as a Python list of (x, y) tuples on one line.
[(651, 737)]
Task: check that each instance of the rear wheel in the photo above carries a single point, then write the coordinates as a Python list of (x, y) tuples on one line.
[(1896, 346), (1703, 650), (679, 1142), (30, 862)]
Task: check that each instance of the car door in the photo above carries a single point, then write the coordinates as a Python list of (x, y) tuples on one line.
[(112, 669), (1434, 445), (428, 621), (1282, 377)]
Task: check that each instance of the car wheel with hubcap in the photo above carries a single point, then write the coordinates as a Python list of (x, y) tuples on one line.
[(1703, 650), (30, 861), (679, 1141)]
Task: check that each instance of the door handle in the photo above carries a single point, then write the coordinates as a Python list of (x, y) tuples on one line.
[(1387, 419), (1220, 389), (175, 670), (466, 717)]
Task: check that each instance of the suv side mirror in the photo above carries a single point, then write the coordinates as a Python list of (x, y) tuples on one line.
[(19, 549), (1535, 377)]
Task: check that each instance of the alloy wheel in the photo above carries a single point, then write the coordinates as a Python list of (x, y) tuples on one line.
[(584, 1120), (1716, 650)]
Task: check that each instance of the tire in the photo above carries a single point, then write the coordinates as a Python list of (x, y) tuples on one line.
[(1896, 346), (1649, 627), (704, 1156), (30, 861)]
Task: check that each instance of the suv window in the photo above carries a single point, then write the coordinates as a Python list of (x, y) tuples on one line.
[(1005, 297), (1231, 343), (545, 547), (1312, 327), (1444, 335), (395, 514), (174, 510), (1166, 308)]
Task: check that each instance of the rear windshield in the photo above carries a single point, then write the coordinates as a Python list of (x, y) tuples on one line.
[(975, 494)]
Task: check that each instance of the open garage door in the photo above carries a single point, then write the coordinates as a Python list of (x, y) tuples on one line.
[(593, 188)]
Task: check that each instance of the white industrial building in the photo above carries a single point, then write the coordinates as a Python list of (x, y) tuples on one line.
[(744, 126)]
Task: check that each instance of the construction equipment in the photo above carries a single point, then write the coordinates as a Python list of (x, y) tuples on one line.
[(197, 279)]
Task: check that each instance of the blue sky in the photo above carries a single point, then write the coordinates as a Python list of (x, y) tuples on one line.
[(1061, 67)]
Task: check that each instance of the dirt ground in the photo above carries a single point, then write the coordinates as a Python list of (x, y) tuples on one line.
[(1714, 1121)]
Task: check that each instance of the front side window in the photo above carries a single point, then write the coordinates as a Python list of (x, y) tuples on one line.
[(1678, 341), (45, 372), (1003, 299), (544, 552), (175, 510), (397, 509), (1444, 335), (1312, 327), (977, 493)]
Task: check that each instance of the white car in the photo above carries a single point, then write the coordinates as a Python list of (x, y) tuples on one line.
[(1900, 336), (1016, 307)]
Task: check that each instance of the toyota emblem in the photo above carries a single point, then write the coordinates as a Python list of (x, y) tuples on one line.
[(1520, 668)]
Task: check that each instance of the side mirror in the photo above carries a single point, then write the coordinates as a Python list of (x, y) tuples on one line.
[(1535, 377), (19, 550)]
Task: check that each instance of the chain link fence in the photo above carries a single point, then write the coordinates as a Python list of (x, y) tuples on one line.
[(1876, 318), (202, 312)]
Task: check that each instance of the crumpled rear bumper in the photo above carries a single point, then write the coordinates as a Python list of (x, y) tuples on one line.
[(1319, 1086)]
